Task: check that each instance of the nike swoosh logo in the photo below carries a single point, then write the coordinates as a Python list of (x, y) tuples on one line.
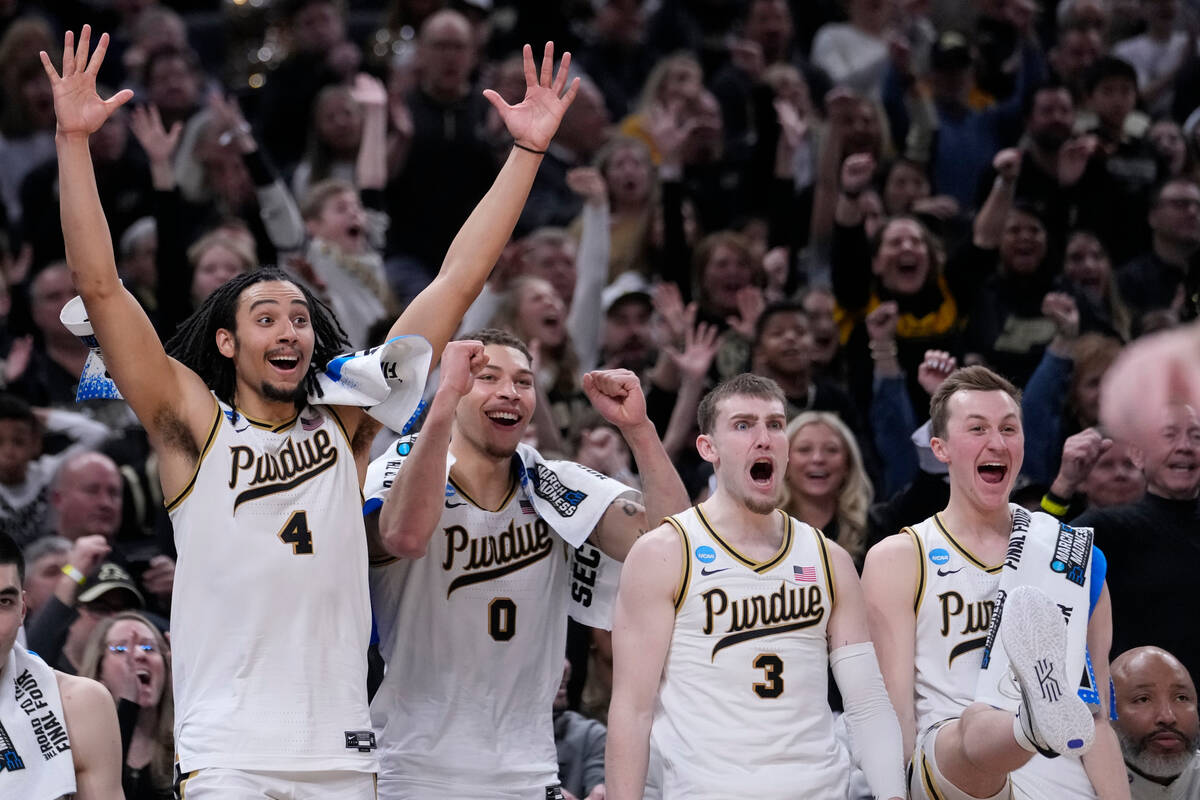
[(707, 571), (944, 572), (454, 505)]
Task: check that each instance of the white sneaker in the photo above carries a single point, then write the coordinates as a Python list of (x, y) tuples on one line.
[(1052, 716)]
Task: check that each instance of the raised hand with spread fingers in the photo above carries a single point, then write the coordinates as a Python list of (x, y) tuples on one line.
[(533, 121)]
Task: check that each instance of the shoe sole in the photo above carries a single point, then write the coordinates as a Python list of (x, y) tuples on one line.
[(1035, 637)]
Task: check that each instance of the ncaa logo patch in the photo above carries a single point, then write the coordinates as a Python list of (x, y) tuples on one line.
[(939, 556), (705, 554)]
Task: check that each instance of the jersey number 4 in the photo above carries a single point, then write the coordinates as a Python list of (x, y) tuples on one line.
[(296, 533), (772, 667)]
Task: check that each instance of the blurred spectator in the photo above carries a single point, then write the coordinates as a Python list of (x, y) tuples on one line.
[(26, 473), (1158, 53), (827, 485), (1150, 544), (448, 149), (86, 497), (333, 139), (128, 654), (155, 27), (584, 130), (1088, 274), (61, 629), (174, 82), (318, 54), (121, 179), (580, 743), (59, 355), (627, 341), (674, 83), (44, 560), (1078, 47), (855, 53), (631, 187), (614, 53), (27, 115), (1156, 278)]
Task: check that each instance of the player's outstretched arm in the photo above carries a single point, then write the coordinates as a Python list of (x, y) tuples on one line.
[(889, 583), (875, 735), (414, 503), (643, 622), (617, 395), (437, 311), (91, 720), (150, 381), (1104, 765)]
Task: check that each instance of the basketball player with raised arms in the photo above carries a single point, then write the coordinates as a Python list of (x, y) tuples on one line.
[(58, 733), (270, 614), (981, 588), (728, 618), (477, 575)]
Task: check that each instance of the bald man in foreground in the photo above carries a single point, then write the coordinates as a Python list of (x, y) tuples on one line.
[(1157, 725)]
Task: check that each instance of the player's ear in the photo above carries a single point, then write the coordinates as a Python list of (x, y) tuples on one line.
[(226, 343), (938, 446), (704, 446)]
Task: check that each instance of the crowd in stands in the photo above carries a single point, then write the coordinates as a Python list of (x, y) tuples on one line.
[(850, 197)]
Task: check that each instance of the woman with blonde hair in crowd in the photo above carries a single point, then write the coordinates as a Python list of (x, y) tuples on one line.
[(827, 485), (631, 185), (675, 81), (129, 655)]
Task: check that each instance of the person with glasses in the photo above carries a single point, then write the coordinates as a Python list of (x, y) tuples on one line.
[(1152, 280), (129, 655)]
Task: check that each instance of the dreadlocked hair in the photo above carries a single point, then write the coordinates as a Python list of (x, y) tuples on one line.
[(194, 343)]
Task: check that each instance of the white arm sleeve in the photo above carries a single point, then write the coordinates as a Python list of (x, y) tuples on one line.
[(875, 740)]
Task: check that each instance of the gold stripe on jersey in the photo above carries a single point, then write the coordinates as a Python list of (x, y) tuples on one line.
[(273, 427), (927, 778), (512, 488), (964, 552), (759, 567), (916, 540), (825, 562), (212, 435), (685, 573), (341, 426)]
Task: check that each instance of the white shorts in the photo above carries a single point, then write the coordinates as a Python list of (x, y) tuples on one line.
[(218, 783), (925, 779)]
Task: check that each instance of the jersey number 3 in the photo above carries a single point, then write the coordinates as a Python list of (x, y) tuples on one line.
[(772, 667), (296, 533)]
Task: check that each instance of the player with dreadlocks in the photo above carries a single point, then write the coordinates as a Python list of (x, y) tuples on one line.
[(270, 617)]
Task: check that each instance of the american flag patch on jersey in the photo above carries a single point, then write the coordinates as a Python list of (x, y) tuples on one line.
[(527, 507), (805, 574)]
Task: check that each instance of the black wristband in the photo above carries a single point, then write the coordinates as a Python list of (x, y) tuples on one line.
[(520, 146)]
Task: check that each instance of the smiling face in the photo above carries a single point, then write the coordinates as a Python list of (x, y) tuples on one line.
[(272, 343), (748, 449), (132, 656), (1171, 460), (903, 259), (1115, 479), (1157, 722), (817, 462), (493, 416), (983, 446)]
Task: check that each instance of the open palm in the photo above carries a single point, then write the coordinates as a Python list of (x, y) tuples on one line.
[(533, 121), (79, 109)]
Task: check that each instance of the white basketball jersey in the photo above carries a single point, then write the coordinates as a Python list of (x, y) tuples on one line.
[(742, 707), (955, 595), (474, 635), (270, 617)]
